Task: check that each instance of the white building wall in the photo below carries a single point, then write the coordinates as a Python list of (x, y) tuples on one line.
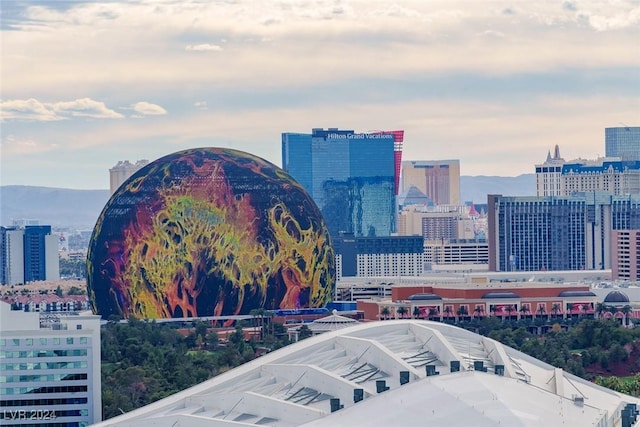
[(15, 257), (58, 359), (52, 259), (390, 265)]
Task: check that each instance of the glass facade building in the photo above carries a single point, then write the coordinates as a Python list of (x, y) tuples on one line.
[(35, 252), (350, 176), (623, 142), (557, 233), (28, 254)]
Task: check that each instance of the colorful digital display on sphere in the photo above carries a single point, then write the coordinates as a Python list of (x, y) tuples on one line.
[(209, 232)]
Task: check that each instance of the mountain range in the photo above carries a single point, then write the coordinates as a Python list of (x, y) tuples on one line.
[(79, 209)]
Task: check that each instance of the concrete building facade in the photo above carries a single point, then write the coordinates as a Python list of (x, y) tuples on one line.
[(439, 180), (378, 256), (49, 369), (122, 171), (625, 255)]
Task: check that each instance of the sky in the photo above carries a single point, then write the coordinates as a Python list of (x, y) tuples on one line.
[(495, 84)]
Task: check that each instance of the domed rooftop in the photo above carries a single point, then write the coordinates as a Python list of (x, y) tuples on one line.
[(424, 297), (616, 296), (576, 294), (491, 295)]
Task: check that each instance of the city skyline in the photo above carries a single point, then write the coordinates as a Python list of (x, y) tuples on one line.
[(495, 85)]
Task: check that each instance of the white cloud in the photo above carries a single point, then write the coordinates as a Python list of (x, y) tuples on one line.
[(27, 109), (200, 105), (328, 61), (85, 107), (205, 47), (143, 108), (34, 110), (12, 145), (310, 43)]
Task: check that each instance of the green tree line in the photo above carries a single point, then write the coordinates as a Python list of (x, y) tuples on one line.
[(146, 361)]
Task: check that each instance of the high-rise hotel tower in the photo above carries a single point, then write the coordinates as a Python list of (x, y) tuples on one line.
[(352, 177)]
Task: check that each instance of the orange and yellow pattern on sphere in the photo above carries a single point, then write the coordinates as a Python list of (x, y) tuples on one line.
[(209, 232)]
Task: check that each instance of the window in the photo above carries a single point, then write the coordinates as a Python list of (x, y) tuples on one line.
[(56, 340), (83, 340), (29, 341), (16, 341), (3, 342), (69, 340), (43, 341)]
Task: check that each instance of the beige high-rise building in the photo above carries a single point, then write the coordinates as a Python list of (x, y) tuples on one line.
[(122, 171), (439, 180)]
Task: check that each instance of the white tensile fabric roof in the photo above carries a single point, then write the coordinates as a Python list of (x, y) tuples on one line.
[(296, 385)]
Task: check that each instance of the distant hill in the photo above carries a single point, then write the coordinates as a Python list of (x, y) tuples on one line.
[(476, 188), (79, 209), (58, 207)]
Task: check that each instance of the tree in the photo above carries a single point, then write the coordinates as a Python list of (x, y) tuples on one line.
[(601, 308), (402, 311), (58, 291), (523, 311), (478, 311), (569, 309), (541, 311), (212, 340), (74, 290), (416, 312), (510, 309), (304, 332), (447, 311), (432, 313), (555, 309), (385, 312), (462, 312)]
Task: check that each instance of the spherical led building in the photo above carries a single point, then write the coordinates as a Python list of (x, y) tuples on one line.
[(209, 232)]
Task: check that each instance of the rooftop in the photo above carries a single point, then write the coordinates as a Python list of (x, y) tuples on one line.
[(404, 372)]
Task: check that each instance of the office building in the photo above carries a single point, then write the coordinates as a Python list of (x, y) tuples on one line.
[(41, 261), (456, 255), (623, 142), (28, 254), (439, 180), (122, 171), (402, 373), (625, 255), (350, 176), (392, 256), (12, 253), (49, 369), (557, 233), (443, 222)]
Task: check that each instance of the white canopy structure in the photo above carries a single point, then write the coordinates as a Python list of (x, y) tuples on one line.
[(400, 372)]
